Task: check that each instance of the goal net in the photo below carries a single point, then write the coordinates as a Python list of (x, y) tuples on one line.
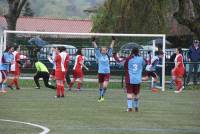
[(39, 45)]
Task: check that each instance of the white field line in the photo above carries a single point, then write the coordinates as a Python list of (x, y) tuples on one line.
[(45, 129), (170, 130)]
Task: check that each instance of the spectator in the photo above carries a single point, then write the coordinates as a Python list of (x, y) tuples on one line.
[(194, 57)]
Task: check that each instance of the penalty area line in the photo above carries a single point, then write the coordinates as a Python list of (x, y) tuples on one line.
[(45, 129)]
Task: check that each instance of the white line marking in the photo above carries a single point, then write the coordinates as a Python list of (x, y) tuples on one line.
[(191, 130), (45, 129)]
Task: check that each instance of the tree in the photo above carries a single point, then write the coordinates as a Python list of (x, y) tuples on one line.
[(14, 10), (132, 16), (27, 10), (188, 15)]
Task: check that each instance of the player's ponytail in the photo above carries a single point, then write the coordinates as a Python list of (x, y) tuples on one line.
[(180, 51), (135, 51)]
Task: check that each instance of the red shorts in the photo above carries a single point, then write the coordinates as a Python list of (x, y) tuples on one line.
[(103, 77), (133, 88), (17, 72), (59, 75), (178, 72), (77, 74)]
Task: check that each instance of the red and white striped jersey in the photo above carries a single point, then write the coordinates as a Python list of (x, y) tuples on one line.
[(179, 59), (15, 65), (78, 63)]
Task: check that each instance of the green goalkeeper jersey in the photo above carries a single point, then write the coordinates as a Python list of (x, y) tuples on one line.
[(41, 67)]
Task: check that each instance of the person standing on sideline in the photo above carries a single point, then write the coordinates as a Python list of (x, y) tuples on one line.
[(42, 72), (78, 70), (133, 66), (15, 68), (6, 61), (178, 71), (103, 55), (194, 57)]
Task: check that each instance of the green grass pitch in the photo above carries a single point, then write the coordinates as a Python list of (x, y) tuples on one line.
[(80, 113)]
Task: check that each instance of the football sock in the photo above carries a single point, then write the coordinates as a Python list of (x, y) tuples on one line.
[(79, 85), (103, 92), (100, 92), (4, 85), (71, 84), (129, 103), (136, 104), (16, 82), (62, 90), (58, 89), (180, 84)]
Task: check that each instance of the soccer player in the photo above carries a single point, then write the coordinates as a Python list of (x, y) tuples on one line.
[(51, 59), (103, 55), (77, 70), (178, 71), (61, 60), (6, 61), (150, 70), (15, 68), (133, 66), (42, 72)]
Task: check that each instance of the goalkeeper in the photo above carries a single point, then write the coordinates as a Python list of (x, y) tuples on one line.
[(42, 72)]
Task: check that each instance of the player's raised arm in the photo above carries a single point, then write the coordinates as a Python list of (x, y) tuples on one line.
[(113, 42), (118, 59), (94, 42)]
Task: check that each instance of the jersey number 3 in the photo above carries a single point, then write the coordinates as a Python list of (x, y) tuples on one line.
[(135, 67)]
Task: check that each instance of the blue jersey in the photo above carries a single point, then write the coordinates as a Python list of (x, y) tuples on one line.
[(6, 61), (135, 67), (103, 60)]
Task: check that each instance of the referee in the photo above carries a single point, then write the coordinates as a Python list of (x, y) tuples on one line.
[(42, 72)]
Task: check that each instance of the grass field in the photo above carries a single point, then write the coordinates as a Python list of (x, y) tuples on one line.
[(80, 113)]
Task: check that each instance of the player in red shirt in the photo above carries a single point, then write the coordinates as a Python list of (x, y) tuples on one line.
[(61, 60), (77, 70), (15, 68), (178, 71)]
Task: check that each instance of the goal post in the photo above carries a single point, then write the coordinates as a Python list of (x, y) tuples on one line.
[(89, 35)]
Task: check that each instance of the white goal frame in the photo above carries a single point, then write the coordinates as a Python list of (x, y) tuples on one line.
[(163, 36)]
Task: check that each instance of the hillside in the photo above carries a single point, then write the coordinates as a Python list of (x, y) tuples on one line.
[(58, 8)]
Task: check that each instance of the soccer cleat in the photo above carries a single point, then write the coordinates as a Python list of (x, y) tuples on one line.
[(10, 87), (3, 91), (62, 96), (37, 87), (18, 88), (57, 96), (180, 90), (136, 109), (154, 90), (101, 99), (129, 110)]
